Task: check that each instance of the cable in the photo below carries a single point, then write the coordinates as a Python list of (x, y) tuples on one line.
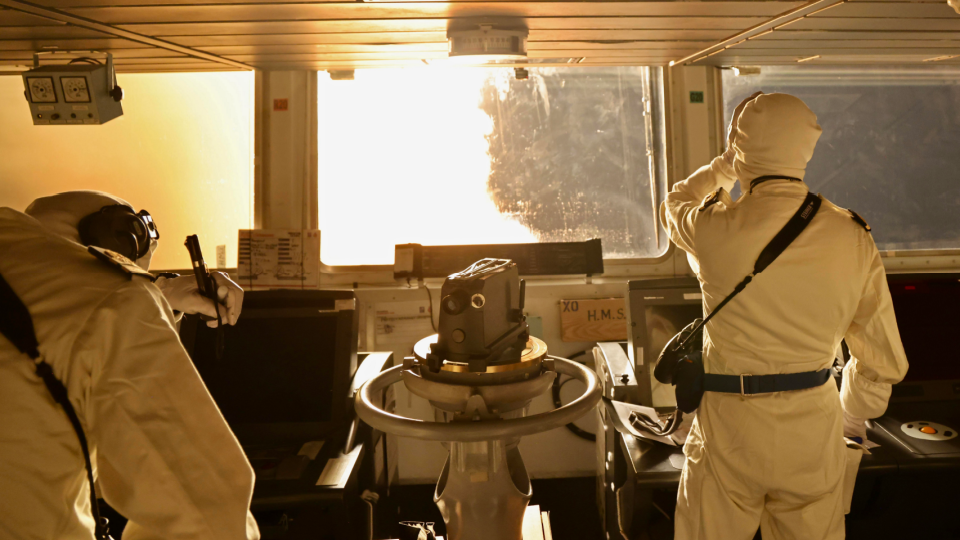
[(673, 423), (666, 515), (557, 403), (430, 307)]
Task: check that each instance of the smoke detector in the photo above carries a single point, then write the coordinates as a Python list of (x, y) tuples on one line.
[(488, 42)]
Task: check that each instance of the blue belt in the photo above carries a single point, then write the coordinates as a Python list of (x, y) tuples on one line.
[(746, 385)]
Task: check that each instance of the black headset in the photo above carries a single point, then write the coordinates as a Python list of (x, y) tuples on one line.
[(116, 227)]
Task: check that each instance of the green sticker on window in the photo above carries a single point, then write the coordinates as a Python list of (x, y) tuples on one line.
[(696, 97)]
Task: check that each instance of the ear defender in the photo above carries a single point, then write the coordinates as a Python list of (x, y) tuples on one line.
[(117, 228)]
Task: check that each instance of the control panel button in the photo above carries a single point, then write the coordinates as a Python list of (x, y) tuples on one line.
[(929, 431)]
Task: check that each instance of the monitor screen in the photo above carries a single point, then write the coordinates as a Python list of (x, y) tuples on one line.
[(928, 315), (664, 322), (657, 310), (277, 366)]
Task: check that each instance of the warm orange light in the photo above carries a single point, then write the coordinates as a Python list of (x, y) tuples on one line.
[(404, 158), (182, 150)]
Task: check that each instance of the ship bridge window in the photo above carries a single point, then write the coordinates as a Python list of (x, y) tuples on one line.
[(889, 144), (183, 150), (461, 155)]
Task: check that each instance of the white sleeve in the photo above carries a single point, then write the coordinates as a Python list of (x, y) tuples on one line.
[(679, 211), (878, 360), (166, 458)]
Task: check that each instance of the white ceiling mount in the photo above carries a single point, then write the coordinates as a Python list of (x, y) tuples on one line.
[(489, 42), (743, 71)]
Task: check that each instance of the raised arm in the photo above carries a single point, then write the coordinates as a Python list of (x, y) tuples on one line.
[(679, 212)]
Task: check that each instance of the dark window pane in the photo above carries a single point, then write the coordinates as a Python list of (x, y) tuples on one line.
[(889, 144)]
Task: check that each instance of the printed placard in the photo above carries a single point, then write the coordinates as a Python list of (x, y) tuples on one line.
[(593, 319)]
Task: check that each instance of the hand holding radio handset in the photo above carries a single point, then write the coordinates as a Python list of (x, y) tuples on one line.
[(211, 290), (184, 295)]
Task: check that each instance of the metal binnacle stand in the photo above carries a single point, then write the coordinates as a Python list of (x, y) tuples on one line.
[(480, 403)]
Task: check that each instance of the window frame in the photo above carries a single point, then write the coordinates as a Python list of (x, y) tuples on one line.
[(658, 78)]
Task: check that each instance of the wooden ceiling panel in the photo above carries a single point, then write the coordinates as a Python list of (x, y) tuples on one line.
[(408, 48), (824, 51), (873, 10), (315, 39), (438, 25), (283, 34), (9, 17), (789, 34), (48, 32), (882, 24), (118, 54), (98, 44), (347, 64), (357, 11), (254, 59), (540, 36), (412, 49), (766, 8), (174, 60), (133, 62), (839, 59), (776, 44), (417, 64), (615, 45), (199, 65)]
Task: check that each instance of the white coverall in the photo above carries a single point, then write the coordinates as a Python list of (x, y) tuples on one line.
[(163, 455), (777, 460)]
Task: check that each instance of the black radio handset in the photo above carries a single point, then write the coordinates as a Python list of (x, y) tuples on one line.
[(207, 287)]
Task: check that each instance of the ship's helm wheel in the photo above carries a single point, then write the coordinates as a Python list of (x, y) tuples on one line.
[(483, 430)]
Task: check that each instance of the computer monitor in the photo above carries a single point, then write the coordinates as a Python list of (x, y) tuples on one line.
[(656, 310), (928, 316), (286, 365)]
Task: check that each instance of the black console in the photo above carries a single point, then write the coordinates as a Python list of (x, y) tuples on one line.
[(285, 382), (906, 487)]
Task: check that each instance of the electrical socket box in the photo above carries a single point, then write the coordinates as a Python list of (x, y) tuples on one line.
[(72, 94)]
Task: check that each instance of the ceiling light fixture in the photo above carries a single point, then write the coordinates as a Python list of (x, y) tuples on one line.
[(488, 42)]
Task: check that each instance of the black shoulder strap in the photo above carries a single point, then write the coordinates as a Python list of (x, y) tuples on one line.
[(788, 233), (17, 326), (778, 245), (761, 179), (16, 323)]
